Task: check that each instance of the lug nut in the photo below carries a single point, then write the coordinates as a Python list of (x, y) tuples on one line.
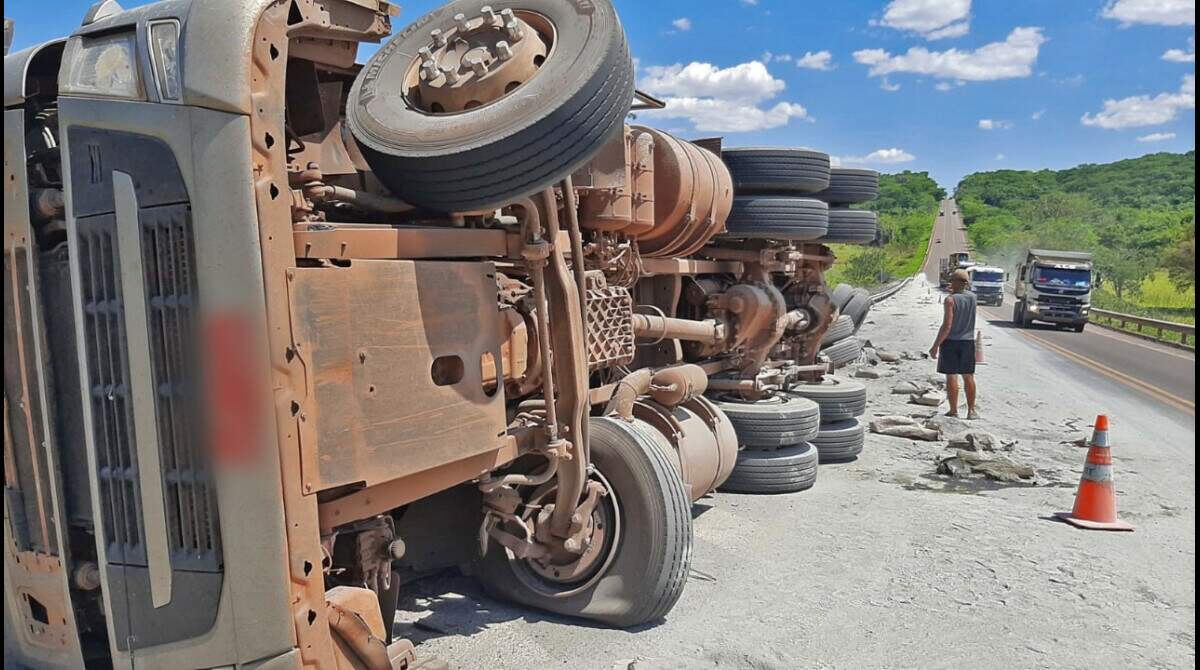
[(507, 15), (425, 54), (439, 38), (451, 75), (460, 20), (478, 66), (488, 14), (512, 30), (503, 51)]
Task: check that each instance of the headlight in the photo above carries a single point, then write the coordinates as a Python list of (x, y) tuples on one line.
[(103, 66), (1033, 308), (164, 55)]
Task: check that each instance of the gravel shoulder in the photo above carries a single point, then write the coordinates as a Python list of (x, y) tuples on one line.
[(885, 564)]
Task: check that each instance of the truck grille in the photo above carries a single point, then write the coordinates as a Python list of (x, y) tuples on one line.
[(108, 379), (170, 287), (168, 262)]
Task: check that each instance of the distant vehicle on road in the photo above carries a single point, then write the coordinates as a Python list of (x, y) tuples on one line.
[(1054, 287), (987, 283), (947, 265)]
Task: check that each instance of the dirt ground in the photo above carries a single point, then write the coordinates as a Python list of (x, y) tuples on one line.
[(884, 564)]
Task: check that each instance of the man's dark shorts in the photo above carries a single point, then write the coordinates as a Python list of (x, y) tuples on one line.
[(957, 357)]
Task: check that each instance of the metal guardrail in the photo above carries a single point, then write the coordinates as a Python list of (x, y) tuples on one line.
[(889, 291), (1185, 331)]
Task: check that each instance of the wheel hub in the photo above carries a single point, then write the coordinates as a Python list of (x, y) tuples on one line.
[(478, 60)]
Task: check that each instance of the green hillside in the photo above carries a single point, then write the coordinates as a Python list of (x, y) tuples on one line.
[(906, 205), (1136, 216)]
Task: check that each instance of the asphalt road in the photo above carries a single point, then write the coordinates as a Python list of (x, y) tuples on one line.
[(1163, 375)]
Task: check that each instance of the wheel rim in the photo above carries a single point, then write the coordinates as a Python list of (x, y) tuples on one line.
[(478, 60), (562, 574)]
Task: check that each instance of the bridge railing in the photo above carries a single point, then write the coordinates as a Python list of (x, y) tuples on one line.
[(890, 290), (1154, 329)]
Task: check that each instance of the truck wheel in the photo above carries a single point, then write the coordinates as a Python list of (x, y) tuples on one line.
[(849, 186), (772, 422), (842, 328), (784, 470), (1019, 313), (538, 112), (777, 218), (776, 170), (841, 295), (1079, 327), (851, 226), (839, 398), (858, 306), (644, 533), (843, 353), (840, 441)]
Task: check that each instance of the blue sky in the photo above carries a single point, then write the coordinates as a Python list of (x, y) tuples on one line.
[(947, 86)]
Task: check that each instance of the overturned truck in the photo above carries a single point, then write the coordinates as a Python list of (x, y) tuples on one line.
[(283, 331)]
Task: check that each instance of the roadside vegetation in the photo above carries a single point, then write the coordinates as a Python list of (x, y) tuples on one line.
[(1136, 216), (907, 205)]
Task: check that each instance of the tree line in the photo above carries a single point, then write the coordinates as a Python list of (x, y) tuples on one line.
[(1136, 216)]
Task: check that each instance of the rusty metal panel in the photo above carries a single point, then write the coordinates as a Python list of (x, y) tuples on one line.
[(369, 335)]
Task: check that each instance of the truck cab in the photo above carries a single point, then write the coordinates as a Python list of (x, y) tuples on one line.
[(1054, 287), (987, 282)]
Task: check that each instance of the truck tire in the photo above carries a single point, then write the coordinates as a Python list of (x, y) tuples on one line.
[(772, 422), (839, 398), (647, 561), (842, 328), (777, 218), (849, 186), (512, 146), (858, 306), (1079, 327), (840, 441), (776, 170), (841, 295), (851, 226), (843, 353), (787, 470)]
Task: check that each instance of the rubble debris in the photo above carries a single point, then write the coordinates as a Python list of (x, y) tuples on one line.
[(967, 463), (867, 373), (948, 425), (888, 356), (904, 426), (871, 355), (932, 398), (910, 387), (978, 440)]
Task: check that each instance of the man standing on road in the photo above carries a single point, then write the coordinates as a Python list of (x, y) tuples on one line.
[(954, 347)]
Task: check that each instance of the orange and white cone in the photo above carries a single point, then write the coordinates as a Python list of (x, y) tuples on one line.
[(1096, 500)]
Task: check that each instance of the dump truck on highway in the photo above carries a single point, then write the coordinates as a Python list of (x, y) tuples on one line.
[(284, 331), (987, 283), (947, 266), (1053, 287)]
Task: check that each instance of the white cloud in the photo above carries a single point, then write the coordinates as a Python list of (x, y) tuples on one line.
[(768, 57), (1156, 137), (720, 99), (1144, 110), (820, 60), (943, 86), (1000, 157), (1181, 56), (879, 157), (1014, 57), (682, 24), (1037, 115), (932, 19), (888, 86), (993, 124), (1157, 12), (750, 2)]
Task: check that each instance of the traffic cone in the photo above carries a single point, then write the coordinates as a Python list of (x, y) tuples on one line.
[(979, 347), (1096, 500)]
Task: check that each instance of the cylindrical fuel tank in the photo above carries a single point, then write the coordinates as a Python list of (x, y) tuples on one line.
[(693, 193), (699, 438)]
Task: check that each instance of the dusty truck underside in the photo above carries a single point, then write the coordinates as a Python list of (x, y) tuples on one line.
[(293, 330)]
